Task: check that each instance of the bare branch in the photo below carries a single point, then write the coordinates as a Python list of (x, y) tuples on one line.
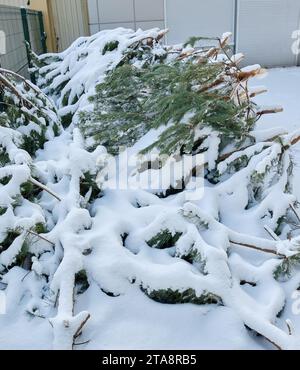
[(43, 187), (79, 330), (269, 251), (40, 236)]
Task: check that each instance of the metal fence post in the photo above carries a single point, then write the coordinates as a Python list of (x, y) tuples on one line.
[(42, 31), (27, 39)]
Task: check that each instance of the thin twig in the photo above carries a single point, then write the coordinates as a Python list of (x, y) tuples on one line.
[(79, 330), (295, 140), (43, 187), (273, 343), (82, 344), (56, 299), (270, 111), (40, 236), (289, 326), (271, 233), (269, 251), (28, 83), (28, 273), (11, 87), (35, 315), (295, 212)]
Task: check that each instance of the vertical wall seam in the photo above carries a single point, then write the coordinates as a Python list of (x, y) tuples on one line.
[(134, 15), (235, 25), (98, 15), (165, 20)]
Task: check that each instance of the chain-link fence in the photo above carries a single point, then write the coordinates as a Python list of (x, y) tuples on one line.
[(20, 25)]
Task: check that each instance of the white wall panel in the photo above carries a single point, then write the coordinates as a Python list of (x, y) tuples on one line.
[(111, 11), (146, 10), (265, 28), (134, 14), (198, 18)]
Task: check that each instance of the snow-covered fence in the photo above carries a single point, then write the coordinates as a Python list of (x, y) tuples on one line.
[(18, 25)]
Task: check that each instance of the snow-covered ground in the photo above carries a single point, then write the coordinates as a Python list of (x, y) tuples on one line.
[(283, 89), (133, 321)]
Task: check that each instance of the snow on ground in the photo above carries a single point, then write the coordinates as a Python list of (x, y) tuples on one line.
[(133, 321), (283, 89)]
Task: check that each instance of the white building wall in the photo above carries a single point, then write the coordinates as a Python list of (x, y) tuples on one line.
[(134, 14), (263, 28), (264, 31), (209, 18)]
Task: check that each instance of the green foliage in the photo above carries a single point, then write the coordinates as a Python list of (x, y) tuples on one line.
[(5, 180), (142, 53), (4, 157), (11, 235), (132, 101), (280, 225), (192, 41), (40, 228), (110, 46), (164, 240), (118, 95), (34, 141), (66, 120), (87, 183), (26, 109), (56, 129), (285, 269), (29, 191), (3, 210), (81, 282), (66, 99), (196, 259), (23, 256), (170, 296)]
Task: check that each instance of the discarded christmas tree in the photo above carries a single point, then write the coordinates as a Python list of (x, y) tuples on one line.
[(27, 120), (203, 100), (30, 240), (222, 249)]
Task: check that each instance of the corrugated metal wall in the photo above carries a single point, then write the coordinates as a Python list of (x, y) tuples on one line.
[(70, 21)]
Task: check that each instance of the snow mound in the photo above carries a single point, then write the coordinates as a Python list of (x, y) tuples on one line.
[(71, 76)]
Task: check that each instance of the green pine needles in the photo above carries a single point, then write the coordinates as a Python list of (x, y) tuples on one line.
[(24, 108), (183, 96)]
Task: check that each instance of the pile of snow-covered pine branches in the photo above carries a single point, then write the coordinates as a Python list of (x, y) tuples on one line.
[(65, 229)]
